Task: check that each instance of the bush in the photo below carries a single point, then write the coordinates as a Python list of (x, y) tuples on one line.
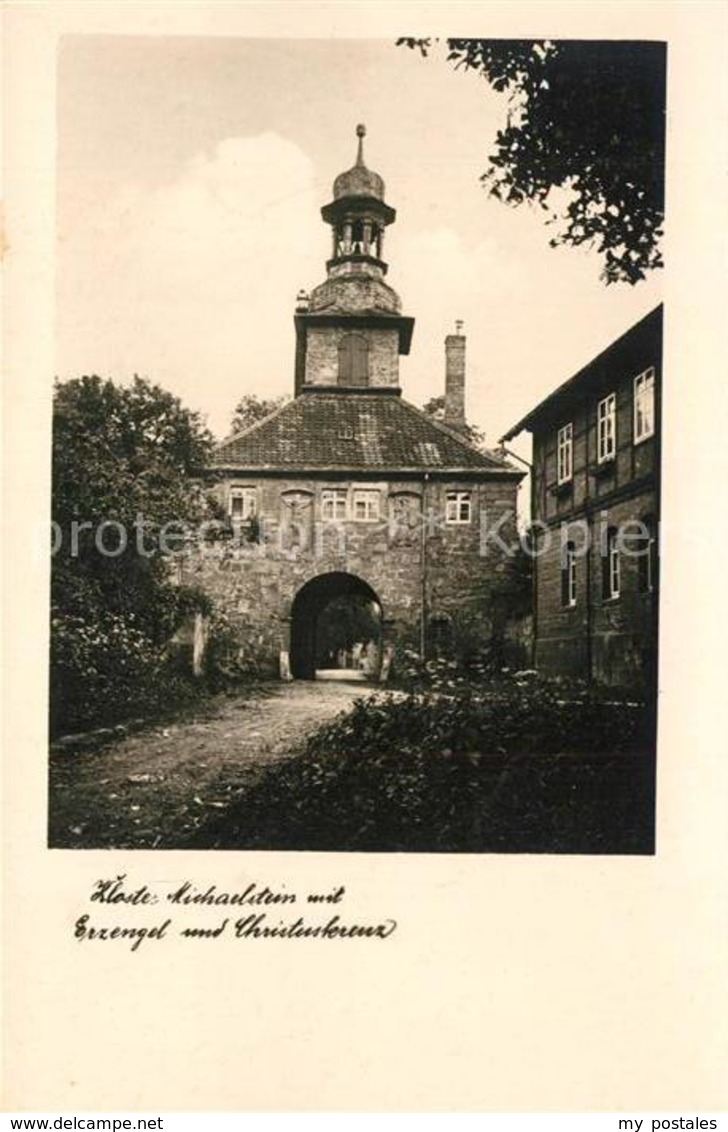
[(521, 715), (471, 665), (227, 665), (132, 456), (531, 767), (106, 670)]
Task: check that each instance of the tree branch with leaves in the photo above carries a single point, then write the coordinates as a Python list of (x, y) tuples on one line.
[(586, 124)]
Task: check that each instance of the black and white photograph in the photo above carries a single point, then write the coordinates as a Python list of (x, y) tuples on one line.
[(356, 444), (364, 414)]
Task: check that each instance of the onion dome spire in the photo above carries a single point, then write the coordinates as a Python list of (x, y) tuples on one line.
[(359, 215), (359, 181), (361, 133), (354, 299)]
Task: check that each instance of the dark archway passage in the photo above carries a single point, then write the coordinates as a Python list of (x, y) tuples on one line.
[(336, 623)]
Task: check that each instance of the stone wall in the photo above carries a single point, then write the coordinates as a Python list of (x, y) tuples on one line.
[(255, 582), (354, 293), (322, 355)]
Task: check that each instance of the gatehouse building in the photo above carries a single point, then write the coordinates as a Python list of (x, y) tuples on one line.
[(354, 507)]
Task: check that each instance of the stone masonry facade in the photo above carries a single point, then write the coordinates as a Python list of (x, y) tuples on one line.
[(322, 355), (408, 554), (348, 489)]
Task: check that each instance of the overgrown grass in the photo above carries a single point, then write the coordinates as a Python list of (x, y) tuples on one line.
[(527, 767)]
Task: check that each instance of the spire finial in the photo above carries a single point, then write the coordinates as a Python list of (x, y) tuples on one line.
[(361, 131)]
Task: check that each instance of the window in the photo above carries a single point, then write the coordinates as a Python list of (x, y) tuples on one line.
[(564, 450), (353, 360), (333, 504), (243, 503), (366, 506), (647, 557), (440, 636), (606, 428), (610, 566), (568, 576), (644, 405), (357, 236), (457, 507)]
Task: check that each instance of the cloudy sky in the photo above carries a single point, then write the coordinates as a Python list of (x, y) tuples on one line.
[(191, 175)]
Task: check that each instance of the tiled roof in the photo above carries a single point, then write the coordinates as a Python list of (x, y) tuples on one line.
[(357, 431)]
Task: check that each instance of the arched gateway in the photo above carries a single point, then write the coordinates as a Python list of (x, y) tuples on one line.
[(336, 625), (347, 477)]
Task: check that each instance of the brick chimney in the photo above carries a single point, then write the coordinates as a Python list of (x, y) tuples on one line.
[(455, 377)]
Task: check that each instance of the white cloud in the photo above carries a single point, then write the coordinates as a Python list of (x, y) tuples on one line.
[(506, 288), (193, 283)]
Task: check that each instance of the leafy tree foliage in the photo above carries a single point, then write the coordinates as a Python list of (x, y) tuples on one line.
[(587, 117), (343, 623), (251, 409), (435, 408), (125, 468)]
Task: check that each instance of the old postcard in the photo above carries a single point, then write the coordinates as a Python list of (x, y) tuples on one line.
[(363, 647)]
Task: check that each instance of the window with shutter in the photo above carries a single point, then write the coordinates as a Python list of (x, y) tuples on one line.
[(353, 360)]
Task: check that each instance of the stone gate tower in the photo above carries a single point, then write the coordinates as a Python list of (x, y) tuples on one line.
[(350, 331), (350, 493)]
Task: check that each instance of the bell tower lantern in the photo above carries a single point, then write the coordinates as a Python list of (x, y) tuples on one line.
[(350, 330), (358, 215)]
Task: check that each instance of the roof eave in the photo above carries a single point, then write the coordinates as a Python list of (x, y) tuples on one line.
[(522, 424), (372, 472), (549, 404)]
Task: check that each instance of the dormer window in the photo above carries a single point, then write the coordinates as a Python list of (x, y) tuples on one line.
[(353, 360)]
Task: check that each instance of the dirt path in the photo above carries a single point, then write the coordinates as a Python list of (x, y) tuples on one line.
[(156, 788)]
